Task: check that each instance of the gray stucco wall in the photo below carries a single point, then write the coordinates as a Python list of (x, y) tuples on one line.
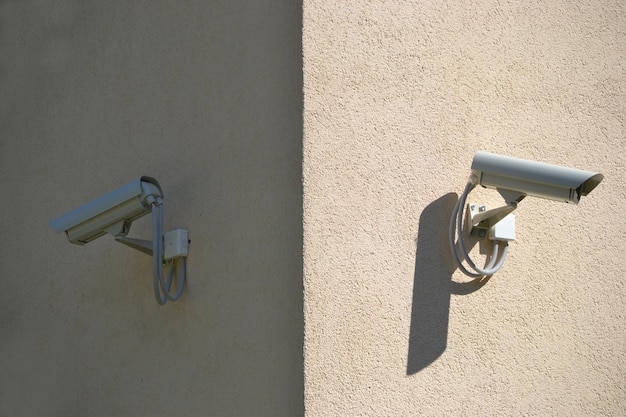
[(207, 98)]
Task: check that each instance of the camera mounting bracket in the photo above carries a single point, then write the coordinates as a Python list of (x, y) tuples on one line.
[(481, 222), (141, 245)]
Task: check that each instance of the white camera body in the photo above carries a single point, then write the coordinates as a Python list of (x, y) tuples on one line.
[(532, 178), (112, 213), (514, 179)]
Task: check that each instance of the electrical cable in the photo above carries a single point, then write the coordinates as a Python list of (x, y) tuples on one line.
[(160, 284), (498, 254)]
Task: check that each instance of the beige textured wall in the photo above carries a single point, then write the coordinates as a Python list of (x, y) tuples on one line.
[(398, 97), (207, 98)]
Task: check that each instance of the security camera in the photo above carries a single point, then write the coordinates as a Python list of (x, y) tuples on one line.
[(113, 213), (530, 178), (514, 179)]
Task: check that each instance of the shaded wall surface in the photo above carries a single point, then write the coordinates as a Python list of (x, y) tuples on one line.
[(207, 98), (398, 98)]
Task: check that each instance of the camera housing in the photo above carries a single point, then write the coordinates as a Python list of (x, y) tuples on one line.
[(112, 213), (531, 178), (514, 179)]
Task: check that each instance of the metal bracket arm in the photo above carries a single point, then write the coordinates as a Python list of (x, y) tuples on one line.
[(142, 245), (481, 220)]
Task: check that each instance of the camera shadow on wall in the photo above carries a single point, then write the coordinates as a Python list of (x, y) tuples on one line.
[(433, 285)]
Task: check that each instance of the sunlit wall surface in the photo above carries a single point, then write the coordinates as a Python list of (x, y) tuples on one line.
[(399, 95)]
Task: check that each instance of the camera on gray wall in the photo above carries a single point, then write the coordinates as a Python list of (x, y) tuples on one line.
[(114, 212)]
